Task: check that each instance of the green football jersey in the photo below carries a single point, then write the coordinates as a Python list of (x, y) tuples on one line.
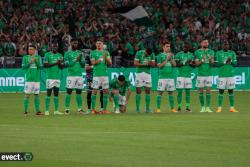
[(130, 48), (140, 56), (100, 69), (183, 58), (167, 70), (226, 70), (122, 88), (74, 66), (54, 71), (204, 55), (32, 70)]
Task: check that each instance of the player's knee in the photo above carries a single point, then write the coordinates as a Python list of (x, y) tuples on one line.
[(147, 90), (115, 91), (56, 91), (208, 90), (105, 91), (49, 91), (160, 93), (78, 91), (201, 90), (170, 92), (69, 91), (94, 91), (138, 90), (221, 91), (230, 91)]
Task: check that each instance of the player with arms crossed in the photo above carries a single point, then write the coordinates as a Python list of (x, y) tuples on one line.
[(32, 65), (100, 59), (204, 60), (144, 60), (53, 61), (120, 91), (185, 63), (226, 59), (165, 63), (74, 60)]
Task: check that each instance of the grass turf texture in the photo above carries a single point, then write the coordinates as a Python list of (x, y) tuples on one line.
[(128, 140)]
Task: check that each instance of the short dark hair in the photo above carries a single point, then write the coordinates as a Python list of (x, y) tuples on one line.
[(164, 42), (186, 43), (100, 39), (204, 39), (121, 78), (32, 46), (149, 51)]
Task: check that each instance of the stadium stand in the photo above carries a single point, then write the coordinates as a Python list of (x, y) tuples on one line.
[(40, 22)]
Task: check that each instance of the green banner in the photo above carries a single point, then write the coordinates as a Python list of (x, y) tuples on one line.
[(12, 80)]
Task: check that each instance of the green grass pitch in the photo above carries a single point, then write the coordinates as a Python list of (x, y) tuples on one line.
[(128, 140)]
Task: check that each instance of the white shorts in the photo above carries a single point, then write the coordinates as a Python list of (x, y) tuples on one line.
[(166, 84), (74, 82), (202, 82), (122, 100), (100, 81), (226, 83), (143, 79), (32, 88), (184, 83), (51, 83)]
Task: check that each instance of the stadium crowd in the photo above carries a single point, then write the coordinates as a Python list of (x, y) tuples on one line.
[(40, 22)]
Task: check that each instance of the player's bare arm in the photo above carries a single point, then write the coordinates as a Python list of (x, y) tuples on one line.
[(172, 60), (211, 60), (79, 58), (107, 59), (138, 64), (95, 62), (152, 63), (198, 62)]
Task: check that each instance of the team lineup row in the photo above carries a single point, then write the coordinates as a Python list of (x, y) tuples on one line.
[(96, 65)]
